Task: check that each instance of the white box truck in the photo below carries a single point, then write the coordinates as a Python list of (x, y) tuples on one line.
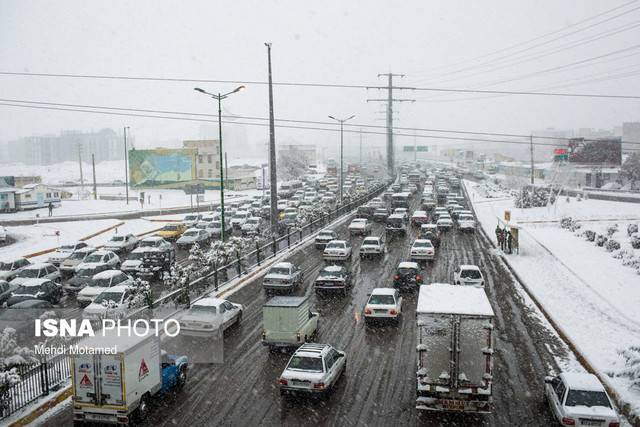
[(454, 349), (117, 388), (288, 322)]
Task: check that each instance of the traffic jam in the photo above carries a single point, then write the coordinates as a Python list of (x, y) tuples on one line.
[(414, 223)]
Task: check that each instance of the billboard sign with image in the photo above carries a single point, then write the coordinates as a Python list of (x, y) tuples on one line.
[(161, 166)]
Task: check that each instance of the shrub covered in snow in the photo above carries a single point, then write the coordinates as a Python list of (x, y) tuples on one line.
[(569, 223), (601, 239), (11, 353), (612, 245), (632, 228), (635, 241), (589, 235), (611, 230), (533, 197), (632, 365)]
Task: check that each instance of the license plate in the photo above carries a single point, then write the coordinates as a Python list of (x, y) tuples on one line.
[(378, 310), (453, 405), (590, 422), (302, 384), (99, 417)]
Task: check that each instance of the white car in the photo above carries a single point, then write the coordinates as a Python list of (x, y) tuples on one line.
[(191, 220), (444, 223), (360, 226), (383, 304), (313, 369), (37, 271), (324, 237), (69, 265), (100, 257), (10, 268), (337, 250), (372, 246), (377, 203), (402, 211), (119, 243), (154, 242), (206, 315), (205, 221), (100, 283), (468, 275), (422, 250), (64, 252), (239, 218), (192, 236), (134, 260), (112, 303), (466, 222), (579, 399), (252, 225)]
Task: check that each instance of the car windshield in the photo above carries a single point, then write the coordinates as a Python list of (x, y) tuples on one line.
[(85, 272), (253, 221), (335, 245), (215, 224), (325, 234), (78, 255), (170, 227), (279, 270), (330, 273), (30, 273), (101, 283), (94, 258), (311, 364), (465, 217), (406, 271), (370, 241), (148, 244), (192, 233), (28, 290), (108, 296), (358, 221), (136, 256), (587, 398), (381, 299), (470, 274), (203, 309), (117, 239), (423, 244)]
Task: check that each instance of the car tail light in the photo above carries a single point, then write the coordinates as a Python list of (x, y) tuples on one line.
[(396, 277), (566, 421), (393, 312), (367, 311), (318, 386), (418, 277), (614, 424), (264, 334), (298, 336), (283, 381)]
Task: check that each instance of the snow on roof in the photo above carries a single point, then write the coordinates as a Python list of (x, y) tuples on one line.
[(283, 265), (34, 282), (420, 213), (408, 264), (285, 301), (443, 298), (209, 302), (38, 266), (582, 381), (333, 268), (107, 274), (383, 291), (469, 267), (9, 190)]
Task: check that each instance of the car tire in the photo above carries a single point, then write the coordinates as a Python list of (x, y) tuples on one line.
[(182, 378), (239, 318), (142, 411)]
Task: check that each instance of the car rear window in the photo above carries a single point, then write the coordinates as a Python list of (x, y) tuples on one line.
[(381, 299), (470, 274), (300, 363), (587, 398)]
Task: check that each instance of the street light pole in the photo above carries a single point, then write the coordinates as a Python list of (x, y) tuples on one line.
[(126, 166), (219, 97), (341, 121), (273, 176)]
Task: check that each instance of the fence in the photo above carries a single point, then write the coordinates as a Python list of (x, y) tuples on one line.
[(42, 378)]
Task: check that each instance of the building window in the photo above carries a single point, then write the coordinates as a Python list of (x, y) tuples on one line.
[(199, 159), (56, 194), (200, 173), (27, 196), (210, 173), (3, 197), (48, 195), (209, 158)]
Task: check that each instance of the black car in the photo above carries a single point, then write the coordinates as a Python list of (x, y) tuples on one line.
[(333, 278), (33, 303), (365, 212), (83, 278), (5, 291), (41, 289), (407, 275), (380, 215)]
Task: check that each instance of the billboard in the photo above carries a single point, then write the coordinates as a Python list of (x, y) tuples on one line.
[(603, 152), (161, 166)]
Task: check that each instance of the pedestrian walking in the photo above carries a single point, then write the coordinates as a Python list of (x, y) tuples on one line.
[(499, 235), (50, 209), (509, 240)]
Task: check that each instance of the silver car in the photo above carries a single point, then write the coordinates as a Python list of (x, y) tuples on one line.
[(9, 269), (283, 276), (69, 265), (191, 236), (37, 271), (64, 252), (313, 368)]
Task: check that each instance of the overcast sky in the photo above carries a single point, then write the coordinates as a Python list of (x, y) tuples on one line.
[(315, 41)]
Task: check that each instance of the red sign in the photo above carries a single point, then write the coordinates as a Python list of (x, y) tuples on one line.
[(559, 151), (85, 381), (143, 371)]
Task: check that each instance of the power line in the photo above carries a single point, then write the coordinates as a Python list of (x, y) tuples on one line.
[(331, 85), (312, 122), (334, 129)]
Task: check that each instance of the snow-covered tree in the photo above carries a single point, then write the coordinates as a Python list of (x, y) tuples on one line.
[(291, 165), (630, 169), (7, 379), (140, 295), (632, 365), (11, 353)]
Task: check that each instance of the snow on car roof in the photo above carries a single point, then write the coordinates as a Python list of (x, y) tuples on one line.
[(34, 282), (408, 264), (428, 226), (383, 291), (420, 213), (333, 268), (38, 266), (282, 265), (282, 301), (209, 302), (582, 381), (442, 298), (101, 252), (153, 238), (469, 267), (107, 274), (359, 220)]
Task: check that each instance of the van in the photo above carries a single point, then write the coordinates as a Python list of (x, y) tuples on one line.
[(288, 322)]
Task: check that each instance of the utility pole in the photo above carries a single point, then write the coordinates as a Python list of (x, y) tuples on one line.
[(226, 166), (95, 187), (531, 151), (81, 177), (415, 147), (361, 149), (272, 152), (341, 121), (390, 100), (126, 166)]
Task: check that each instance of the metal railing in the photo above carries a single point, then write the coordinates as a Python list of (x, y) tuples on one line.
[(40, 379)]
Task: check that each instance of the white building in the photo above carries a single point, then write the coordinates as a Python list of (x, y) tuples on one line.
[(207, 159), (35, 196)]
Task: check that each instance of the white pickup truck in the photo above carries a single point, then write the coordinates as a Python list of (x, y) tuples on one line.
[(454, 348)]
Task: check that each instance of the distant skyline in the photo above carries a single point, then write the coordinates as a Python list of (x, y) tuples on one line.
[(444, 44)]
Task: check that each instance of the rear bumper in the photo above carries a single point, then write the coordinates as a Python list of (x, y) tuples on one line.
[(422, 257), (335, 257), (277, 286)]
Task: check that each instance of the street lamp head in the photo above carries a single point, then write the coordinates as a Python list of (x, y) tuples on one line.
[(331, 117), (350, 118), (239, 88), (197, 89), (267, 44)]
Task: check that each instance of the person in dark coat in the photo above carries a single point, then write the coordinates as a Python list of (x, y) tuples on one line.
[(499, 236), (509, 240), (50, 209)]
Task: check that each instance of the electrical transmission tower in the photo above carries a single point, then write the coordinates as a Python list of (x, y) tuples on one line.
[(390, 100)]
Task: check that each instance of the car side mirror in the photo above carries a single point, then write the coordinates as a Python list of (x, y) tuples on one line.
[(548, 379)]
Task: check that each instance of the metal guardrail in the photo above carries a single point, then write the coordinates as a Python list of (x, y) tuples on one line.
[(40, 379)]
